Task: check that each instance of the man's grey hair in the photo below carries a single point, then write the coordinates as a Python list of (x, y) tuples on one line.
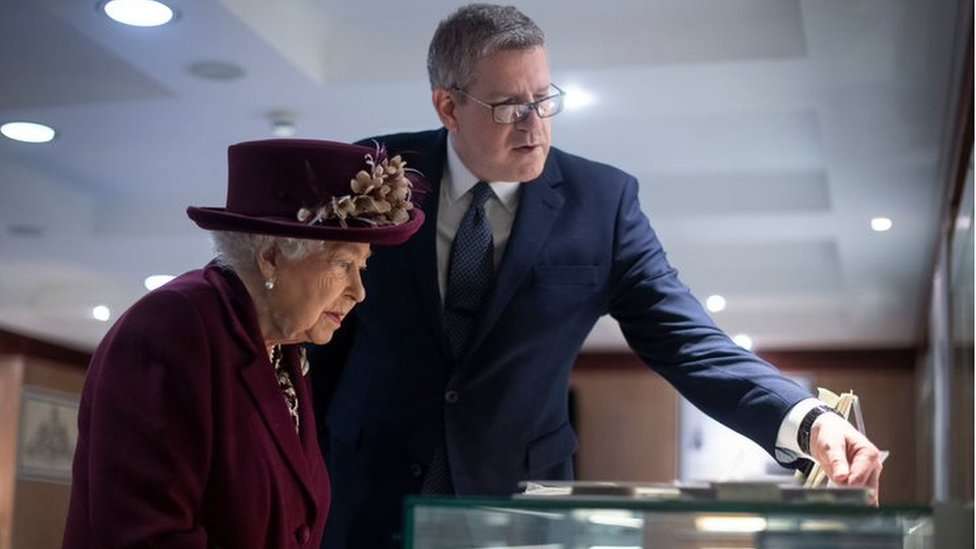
[(471, 33), (239, 251)]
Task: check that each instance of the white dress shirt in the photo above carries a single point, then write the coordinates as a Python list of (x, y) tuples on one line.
[(455, 197)]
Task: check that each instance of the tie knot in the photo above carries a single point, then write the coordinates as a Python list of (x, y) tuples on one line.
[(480, 194)]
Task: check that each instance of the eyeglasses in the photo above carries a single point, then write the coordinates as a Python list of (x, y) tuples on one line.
[(510, 113)]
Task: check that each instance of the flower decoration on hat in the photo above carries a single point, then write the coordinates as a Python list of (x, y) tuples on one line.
[(381, 196)]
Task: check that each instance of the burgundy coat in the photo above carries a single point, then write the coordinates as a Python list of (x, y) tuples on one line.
[(184, 437)]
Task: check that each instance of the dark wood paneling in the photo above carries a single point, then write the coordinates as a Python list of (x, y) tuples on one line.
[(627, 422), (17, 344), (39, 515)]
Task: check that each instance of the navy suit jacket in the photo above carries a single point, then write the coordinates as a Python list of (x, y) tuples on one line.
[(580, 248)]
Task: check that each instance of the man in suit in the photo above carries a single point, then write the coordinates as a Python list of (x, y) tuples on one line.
[(460, 359)]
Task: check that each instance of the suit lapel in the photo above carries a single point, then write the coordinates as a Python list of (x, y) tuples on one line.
[(422, 248), (539, 206)]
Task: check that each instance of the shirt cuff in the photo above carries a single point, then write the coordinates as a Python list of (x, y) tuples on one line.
[(787, 447)]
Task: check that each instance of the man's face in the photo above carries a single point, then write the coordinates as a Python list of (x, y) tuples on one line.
[(503, 152)]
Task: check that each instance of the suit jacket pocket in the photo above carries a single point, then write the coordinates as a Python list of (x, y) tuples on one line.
[(551, 449), (566, 275)]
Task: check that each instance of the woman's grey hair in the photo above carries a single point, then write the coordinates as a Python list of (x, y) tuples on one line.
[(239, 251), (471, 33)]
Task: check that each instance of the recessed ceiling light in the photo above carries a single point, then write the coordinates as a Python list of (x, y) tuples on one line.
[(881, 224), (101, 313), (715, 303), (155, 281), (282, 123), (283, 128), (138, 13), (744, 341), (28, 132), (576, 98)]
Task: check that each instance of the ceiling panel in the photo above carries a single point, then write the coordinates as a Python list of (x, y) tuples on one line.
[(86, 72), (736, 193)]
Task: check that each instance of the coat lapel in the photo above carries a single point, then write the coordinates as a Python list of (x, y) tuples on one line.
[(539, 206), (257, 373), (258, 377)]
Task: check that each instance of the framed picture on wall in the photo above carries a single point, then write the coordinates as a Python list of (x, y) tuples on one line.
[(47, 437)]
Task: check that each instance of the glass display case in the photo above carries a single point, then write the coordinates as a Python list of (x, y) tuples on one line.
[(601, 522)]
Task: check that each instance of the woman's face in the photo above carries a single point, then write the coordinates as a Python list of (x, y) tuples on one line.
[(313, 295)]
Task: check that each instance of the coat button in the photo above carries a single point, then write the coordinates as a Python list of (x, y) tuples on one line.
[(302, 535), (451, 397), (416, 470)]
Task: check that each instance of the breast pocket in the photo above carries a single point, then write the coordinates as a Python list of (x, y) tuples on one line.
[(579, 276)]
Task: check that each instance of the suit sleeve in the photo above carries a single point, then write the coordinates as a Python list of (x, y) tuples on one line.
[(671, 332), (150, 426)]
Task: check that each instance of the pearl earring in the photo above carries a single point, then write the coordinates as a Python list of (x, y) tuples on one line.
[(269, 284)]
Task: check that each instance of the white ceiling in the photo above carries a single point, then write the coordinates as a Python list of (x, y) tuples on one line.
[(766, 134)]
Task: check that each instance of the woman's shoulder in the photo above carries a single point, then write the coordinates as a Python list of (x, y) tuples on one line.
[(163, 339), (175, 314), (187, 295)]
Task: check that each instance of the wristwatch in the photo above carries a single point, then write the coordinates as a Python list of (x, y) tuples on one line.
[(803, 434)]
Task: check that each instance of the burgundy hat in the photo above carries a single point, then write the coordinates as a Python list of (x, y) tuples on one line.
[(320, 190)]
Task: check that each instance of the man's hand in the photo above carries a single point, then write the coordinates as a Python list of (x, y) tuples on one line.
[(847, 456)]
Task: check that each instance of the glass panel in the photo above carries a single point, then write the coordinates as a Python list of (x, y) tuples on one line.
[(634, 524), (961, 325)]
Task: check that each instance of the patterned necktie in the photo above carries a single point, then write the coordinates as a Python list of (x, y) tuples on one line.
[(472, 271), (472, 268)]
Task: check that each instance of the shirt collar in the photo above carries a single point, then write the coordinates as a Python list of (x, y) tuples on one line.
[(460, 180)]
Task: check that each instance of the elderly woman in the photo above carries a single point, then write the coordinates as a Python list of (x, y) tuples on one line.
[(196, 426)]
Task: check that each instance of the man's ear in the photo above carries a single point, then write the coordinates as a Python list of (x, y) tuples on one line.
[(444, 104)]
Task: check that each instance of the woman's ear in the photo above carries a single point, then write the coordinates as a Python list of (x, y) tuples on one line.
[(267, 259)]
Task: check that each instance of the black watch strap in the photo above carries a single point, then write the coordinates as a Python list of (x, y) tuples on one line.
[(803, 434)]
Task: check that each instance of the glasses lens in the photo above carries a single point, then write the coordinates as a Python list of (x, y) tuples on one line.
[(550, 106), (506, 114)]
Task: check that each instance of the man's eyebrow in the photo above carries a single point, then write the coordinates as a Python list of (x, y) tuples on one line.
[(495, 97), (501, 97)]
